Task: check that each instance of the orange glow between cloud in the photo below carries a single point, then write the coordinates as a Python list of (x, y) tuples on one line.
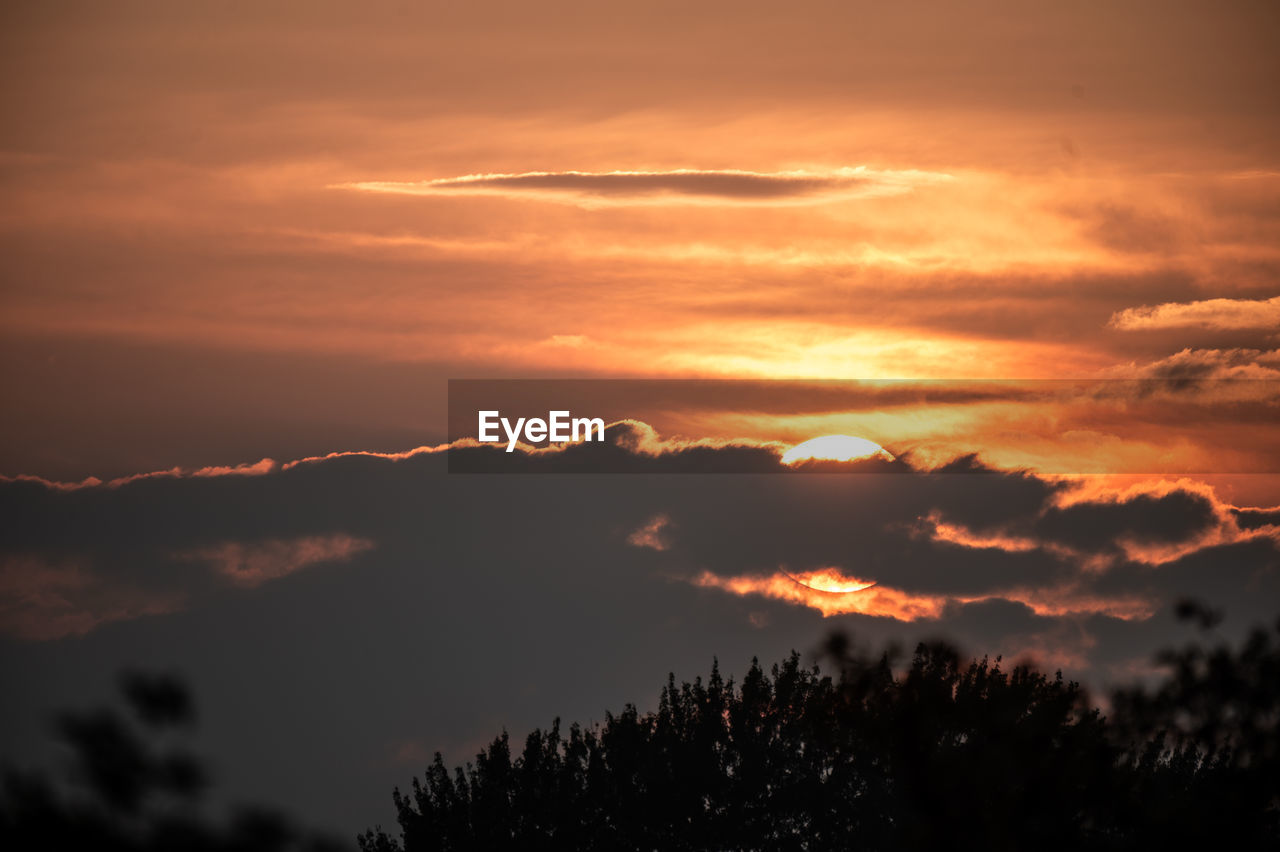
[(830, 592)]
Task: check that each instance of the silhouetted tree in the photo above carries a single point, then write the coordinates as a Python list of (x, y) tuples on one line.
[(1203, 747), (945, 754), (128, 793)]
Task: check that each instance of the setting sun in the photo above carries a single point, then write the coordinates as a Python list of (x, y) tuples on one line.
[(403, 390), (836, 448), (831, 580)]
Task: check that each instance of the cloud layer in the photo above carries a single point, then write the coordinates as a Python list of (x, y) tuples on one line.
[(675, 186), (908, 547), (304, 595)]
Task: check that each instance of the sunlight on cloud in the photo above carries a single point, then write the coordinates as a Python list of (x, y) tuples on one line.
[(830, 592), (1220, 314), (651, 535)]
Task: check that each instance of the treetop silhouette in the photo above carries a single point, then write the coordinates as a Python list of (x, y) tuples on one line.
[(944, 753)]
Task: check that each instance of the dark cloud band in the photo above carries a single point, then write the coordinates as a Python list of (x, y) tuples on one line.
[(723, 185)]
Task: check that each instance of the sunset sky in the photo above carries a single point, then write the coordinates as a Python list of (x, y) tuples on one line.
[(1030, 249)]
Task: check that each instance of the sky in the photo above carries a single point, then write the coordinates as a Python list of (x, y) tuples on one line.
[(1030, 249)]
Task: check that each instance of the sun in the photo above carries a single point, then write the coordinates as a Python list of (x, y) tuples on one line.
[(831, 580), (836, 448)]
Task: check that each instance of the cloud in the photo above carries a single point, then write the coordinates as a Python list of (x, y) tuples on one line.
[(250, 564), (43, 598), (687, 186), (630, 446), (1186, 368), (919, 548), (1053, 550), (1096, 526), (650, 535), (1216, 314), (1255, 518), (1066, 548), (257, 468), (56, 585)]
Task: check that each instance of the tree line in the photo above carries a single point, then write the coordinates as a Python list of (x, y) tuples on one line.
[(876, 753), (939, 753)]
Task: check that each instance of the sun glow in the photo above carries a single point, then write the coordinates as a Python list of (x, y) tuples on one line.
[(836, 448), (831, 580), (830, 593)]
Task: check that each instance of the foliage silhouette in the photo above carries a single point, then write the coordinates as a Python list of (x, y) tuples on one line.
[(131, 791), (938, 752), (946, 754)]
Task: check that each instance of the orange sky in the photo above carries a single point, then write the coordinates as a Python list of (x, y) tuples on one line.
[(246, 245), (733, 190)]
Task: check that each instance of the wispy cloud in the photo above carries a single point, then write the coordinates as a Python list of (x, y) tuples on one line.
[(250, 564), (1188, 367), (685, 186), (43, 598), (1217, 314), (651, 534), (258, 468)]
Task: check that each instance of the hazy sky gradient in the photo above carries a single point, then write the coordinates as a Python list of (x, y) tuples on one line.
[(238, 235), (196, 184)]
